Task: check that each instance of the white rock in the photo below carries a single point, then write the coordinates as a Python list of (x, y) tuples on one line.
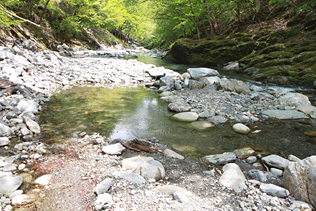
[(4, 141), (104, 186), (32, 125), (151, 169), (179, 196), (241, 128), (233, 177), (113, 149), (22, 199), (10, 184), (134, 162), (172, 154), (44, 180), (104, 202)]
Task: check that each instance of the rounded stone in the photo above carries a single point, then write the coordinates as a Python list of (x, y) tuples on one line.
[(202, 125), (241, 128)]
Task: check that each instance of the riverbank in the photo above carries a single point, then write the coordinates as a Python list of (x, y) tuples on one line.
[(74, 169)]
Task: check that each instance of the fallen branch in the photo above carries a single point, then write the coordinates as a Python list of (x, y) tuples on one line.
[(138, 147), (20, 18)]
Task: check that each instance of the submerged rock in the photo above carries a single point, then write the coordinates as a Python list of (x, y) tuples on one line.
[(202, 125), (186, 116), (241, 128)]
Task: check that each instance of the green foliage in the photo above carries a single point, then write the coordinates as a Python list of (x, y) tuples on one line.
[(6, 21)]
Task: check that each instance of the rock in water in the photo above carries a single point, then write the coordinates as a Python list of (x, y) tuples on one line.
[(202, 125), (241, 128), (233, 177), (300, 178), (186, 116), (197, 73)]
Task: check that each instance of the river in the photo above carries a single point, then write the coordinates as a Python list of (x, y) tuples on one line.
[(128, 113)]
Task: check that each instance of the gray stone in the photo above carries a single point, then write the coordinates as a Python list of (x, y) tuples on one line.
[(186, 116), (167, 81), (131, 177), (307, 109), (220, 159), (257, 175), (232, 66), (113, 149), (172, 154), (5, 130), (244, 153), (27, 105), (233, 177), (197, 73), (4, 141), (300, 178), (32, 125), (293, 158), (179, 196), (10, 167), (179, 107), (210, 80), (10, 184), (234, 85), (276, 161), (251, 159), (261, 96), (276, 172), (313, 114), (274, 190), (207, 113), (193, 85), (151, 169), (103, 202), (164, 89), (217, 120), (165, 94), (103, 187), (294, 99), (241, 128), (134, 162), (284, 114), (177, 85)]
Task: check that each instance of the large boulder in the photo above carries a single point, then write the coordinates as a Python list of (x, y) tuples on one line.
[(234, 85), (9, 184), (233, 177), (167, 81), (294, 99), (197, 73), (300, 179)]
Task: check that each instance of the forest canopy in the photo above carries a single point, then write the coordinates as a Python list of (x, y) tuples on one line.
[(153, 23)]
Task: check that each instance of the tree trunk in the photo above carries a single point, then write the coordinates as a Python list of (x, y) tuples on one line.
[(209, 18), (43, 12), (183, 29), (194, 18)]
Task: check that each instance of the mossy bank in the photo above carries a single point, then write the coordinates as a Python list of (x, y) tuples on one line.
[(280, 50)]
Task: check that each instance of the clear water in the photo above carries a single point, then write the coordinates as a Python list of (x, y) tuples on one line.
[(128, 113)]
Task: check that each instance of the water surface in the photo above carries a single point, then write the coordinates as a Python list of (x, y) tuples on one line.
[(128, 113)]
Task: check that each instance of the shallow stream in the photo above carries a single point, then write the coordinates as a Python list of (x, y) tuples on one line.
[(128, 113)]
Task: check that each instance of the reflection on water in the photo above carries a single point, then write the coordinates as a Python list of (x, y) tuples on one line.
[(128, 113)]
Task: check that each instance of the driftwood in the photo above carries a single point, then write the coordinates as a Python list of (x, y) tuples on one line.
[(138, 147)]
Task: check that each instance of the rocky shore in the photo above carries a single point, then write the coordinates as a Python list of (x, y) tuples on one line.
[(90, 172)]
